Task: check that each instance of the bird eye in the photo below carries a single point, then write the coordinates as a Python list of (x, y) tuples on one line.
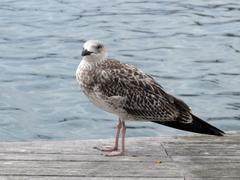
[(99, 46)]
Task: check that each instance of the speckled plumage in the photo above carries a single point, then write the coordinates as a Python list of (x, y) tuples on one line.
[(129, 92)]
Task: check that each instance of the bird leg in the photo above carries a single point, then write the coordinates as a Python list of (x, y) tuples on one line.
[(122, 151), (115, 147)]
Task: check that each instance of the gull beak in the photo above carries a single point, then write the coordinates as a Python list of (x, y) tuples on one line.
[(85, 52)]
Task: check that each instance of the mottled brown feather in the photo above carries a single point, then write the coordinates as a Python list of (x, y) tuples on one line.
[(145, 98)]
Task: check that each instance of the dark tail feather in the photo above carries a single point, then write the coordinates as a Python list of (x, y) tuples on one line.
[(197, 126)]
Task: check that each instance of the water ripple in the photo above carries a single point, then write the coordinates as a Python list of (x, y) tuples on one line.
[(190, 47)]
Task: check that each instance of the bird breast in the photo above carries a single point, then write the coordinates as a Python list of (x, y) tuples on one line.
[(85, 76)]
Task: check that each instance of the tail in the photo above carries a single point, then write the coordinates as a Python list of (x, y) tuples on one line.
[(197, 126)]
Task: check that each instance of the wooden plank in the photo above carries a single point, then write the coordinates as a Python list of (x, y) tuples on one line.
[(207, 159), (106, 169), (78, 157), (207, 149), (227, 139), (206, 170), (218, 178), (168, 158), (80, 178), (135, 148)]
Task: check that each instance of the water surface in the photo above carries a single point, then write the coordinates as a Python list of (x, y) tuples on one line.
[(192, 48)]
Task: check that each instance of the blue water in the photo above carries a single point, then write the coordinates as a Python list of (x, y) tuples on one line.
[(192, 48)]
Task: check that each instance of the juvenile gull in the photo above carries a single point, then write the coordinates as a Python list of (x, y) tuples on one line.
[(126, 91)]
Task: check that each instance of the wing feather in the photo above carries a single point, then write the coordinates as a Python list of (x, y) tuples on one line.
[(145, 98)]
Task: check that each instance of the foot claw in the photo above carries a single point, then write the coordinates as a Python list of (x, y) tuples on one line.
[(115, 153), (106, 148)]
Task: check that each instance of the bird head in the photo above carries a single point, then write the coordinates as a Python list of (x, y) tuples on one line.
[(94, 51)]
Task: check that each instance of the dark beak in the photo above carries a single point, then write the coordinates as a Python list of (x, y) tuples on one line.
[(86, 52)]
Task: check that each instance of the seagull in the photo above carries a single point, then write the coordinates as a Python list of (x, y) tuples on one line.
[(131, 94)]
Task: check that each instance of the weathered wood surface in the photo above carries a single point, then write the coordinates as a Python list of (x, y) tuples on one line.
[(164, 158)]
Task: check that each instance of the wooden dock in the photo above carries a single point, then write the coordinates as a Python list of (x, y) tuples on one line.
[(163, 158)]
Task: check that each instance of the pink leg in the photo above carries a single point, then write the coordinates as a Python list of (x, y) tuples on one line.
[(115, 147), (119, 127), (122, 151)]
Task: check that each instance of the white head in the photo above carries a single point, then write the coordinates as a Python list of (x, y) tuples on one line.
[(94, 51)]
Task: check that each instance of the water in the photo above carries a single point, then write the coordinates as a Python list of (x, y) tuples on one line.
[(191, 47)]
